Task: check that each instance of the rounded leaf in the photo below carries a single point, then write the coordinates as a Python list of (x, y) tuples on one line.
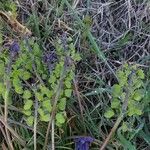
[(116, 90), (39, 96), (28, 104), (46, 91), (27, 94), (110, 113), (76, 57), (47, 105), (45, 118), (2, 68), (2, 87), (60, 118), (41, 112), (27, 112), (137, 96), (140, 74), (52, 79), (138, 111), (115, 103), (62, 104), (124, 127), (68, 92), (26, 75), (138, 84), (30, 121), (19, 89), (68, 84), (16, 82)]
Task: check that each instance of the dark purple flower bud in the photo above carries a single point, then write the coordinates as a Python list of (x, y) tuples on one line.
[(83, 142), (14, 48), (50, 57)]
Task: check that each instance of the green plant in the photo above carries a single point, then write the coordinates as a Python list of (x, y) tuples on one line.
[(42, 87), (33, 83), (127, 100), (130, 87)]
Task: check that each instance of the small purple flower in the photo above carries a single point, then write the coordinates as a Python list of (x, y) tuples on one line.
[(14, 47), (50, 57), (83, 142)]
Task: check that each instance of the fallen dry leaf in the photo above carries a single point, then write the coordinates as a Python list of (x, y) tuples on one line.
[(16, 25)]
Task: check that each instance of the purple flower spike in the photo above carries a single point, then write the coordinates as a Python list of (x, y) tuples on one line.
[(14, 48), (83, 142), (50, 57)]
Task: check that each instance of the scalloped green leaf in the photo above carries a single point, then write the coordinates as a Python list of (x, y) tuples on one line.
[(138, 84), (41, 112), (27, 94), (16, 82), (46, 91), (124, 127), (115, 103), (27, 112), (60, 118), (137, 96), (68, 84), (52, 79), (39, 96), (30, 120), (68, 92), (76, 57), (19, 89), (2, 68), (45, 118), (109, 113), (58, 69), (2, 87), (138, 111), (62, 104), (26, 75), (116, 89), (28, 104), (134, 111), (71, 75), (47, 105), (120, 74), (36, 49), (141, 74)]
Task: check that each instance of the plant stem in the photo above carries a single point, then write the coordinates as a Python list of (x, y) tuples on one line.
[(6, 99), (35, 123), (111, 132), (55, 100), (53, 134), (80, 102)]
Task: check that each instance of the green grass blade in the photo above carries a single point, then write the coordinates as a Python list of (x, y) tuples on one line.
[(125, 143), (145, 137), (91, 39)]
